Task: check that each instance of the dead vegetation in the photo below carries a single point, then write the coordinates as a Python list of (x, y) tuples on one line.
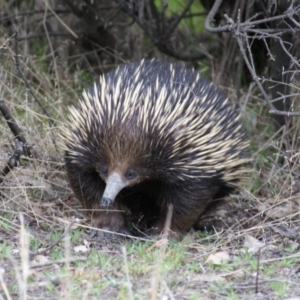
[(46, 58)]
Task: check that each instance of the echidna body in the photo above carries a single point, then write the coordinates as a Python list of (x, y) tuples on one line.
[(150, 134)]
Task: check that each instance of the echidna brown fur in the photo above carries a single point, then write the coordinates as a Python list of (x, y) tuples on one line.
[(148, 135)]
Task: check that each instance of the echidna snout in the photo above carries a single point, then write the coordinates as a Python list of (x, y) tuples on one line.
[(114, 184)]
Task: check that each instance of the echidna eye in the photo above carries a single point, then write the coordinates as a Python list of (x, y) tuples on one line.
[(104, 170), (130, 174)]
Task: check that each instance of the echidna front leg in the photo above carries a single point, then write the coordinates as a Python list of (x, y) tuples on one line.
[(110, 219), (187, 206), (88, 189), (182, 220)]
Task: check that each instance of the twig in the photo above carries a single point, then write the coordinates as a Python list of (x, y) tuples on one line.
[(177, 21), (13, 161), (166, 230), (257, 271), (15, 129), (153, 30), (32, 12), (127, 274), (233, 26), (61, 261), (286, 232), (24, 254), (54, 243), (210, 17), (273, 110), (60, 20), (21, 147), (78, 13), (51, 122), (4, 287), (42, 35)]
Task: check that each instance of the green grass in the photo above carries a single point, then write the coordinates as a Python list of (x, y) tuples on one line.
[(195, 24), (5, 250), (5, 221), (281, 289)]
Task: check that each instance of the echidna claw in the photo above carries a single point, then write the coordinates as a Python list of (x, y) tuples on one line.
[(106, 202), (93, 233), (110, 235), (126, 231)]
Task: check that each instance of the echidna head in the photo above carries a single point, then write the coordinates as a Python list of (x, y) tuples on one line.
[(121, 162)]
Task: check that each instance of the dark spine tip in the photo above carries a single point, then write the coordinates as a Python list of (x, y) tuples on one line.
[(106, 202)]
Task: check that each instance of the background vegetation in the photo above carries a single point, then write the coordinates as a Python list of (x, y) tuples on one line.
[(50, 51)]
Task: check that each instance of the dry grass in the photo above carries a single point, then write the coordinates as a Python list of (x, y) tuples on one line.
[(37, 205)]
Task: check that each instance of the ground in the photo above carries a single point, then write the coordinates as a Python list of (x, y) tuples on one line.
[(252, 252)]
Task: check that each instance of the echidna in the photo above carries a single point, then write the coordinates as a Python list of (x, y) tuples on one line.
[(150, 134)]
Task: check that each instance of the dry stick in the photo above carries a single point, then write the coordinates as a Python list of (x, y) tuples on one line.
[(51, 122), (15, 129), (153, 31), (11, 122), (210, 17), (21, 146), (52, 53), (272, 110), (169, 292), (54, 243), (233, 26), (167, 226), (237, 32), (257, 271), (286, 232), (240, 57), (127, 274), (24, 254), (78, 12), (42, 35), (177, 20), (4, 287), (66, 290), (61, 261), (13, 161), (32, 12), (250, 286), (60, 20), (162, 251)]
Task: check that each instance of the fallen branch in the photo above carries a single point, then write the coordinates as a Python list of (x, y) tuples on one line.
[(21, 146)]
